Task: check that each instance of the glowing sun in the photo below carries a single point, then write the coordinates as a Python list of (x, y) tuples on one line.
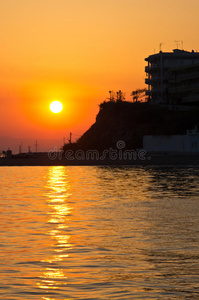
[(56, 107)]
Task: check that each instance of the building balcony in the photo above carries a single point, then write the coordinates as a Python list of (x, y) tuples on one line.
[(152, 68), (190, 99), (187, 76), (152, 92), (184, 89), (150, 81), (154, 80), (148, 93)]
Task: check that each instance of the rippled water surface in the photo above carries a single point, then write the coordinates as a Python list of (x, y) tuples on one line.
[(99, 233)]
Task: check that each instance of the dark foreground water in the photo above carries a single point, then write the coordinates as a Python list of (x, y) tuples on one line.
[(99, 233)]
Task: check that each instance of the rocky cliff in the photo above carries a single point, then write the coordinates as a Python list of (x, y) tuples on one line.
[(128, 122)]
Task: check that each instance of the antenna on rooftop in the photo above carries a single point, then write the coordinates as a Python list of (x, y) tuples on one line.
[(177, 43), (160, 46)]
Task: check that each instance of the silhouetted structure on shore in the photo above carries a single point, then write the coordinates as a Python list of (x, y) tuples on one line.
[(173, 78), (130, 122)]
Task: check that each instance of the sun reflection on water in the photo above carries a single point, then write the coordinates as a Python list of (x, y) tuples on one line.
[(59, 214)]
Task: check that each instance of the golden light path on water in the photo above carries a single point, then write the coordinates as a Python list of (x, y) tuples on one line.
[(99, 233), (57, 196)]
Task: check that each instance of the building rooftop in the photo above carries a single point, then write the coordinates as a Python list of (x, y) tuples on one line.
[(174, 54)]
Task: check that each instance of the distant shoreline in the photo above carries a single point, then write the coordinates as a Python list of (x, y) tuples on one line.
[(150, 160)]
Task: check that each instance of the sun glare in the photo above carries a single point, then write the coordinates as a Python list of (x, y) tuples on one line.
[(56, 107)]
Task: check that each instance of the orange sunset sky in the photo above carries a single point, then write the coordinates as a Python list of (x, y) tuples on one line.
[(76, 51)]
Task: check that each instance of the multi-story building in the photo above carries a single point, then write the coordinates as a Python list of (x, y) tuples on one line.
[(173, 77), (184, 85)]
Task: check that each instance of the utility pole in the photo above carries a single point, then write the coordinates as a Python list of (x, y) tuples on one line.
[(36, 145), (20, 148), (70, 139)]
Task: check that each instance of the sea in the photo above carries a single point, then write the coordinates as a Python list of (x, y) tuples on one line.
[(99, 232)]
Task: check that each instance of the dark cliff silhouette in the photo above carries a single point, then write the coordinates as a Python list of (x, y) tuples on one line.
[(119, 125), (129, 122)]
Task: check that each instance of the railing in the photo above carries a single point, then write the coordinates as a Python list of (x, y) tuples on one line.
[(152, 68), (187, 76), (184, 88), (152, 80)]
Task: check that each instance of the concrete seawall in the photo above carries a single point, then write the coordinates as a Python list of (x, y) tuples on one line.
[(162, 160)]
